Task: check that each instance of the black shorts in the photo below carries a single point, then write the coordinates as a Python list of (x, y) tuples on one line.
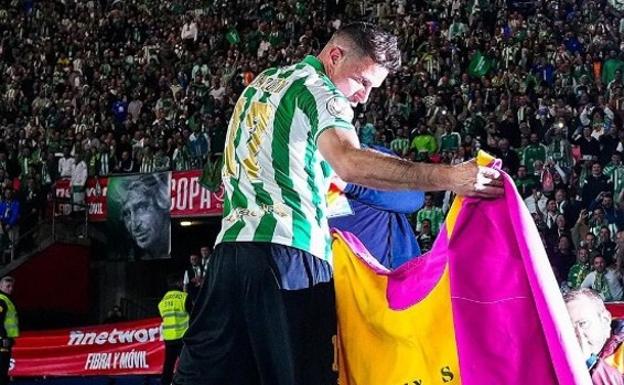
[(246, 329)]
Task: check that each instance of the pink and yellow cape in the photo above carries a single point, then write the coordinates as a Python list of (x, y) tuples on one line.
[(481, 308)]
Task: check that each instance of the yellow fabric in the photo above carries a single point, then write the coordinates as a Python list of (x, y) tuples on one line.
[(10, 320), (383, 359), (174, 315), (376, 357), (616, 360), (483, 159)]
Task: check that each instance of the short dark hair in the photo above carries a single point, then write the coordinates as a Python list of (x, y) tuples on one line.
[(374, 42)]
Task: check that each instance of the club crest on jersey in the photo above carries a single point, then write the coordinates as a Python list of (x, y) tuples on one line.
[(337, 106)]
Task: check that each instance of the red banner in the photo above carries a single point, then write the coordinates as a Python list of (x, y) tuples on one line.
[(188, 197), (95, 197), (112, 349)]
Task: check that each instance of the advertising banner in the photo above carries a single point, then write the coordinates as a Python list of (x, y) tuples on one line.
[(128, 348), (188, 197)]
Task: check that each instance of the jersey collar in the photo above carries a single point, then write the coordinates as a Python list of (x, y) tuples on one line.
[(316, 63)]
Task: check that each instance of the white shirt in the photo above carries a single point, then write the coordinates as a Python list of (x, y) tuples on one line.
[(218, 93), (541, 204), (613, 280), (66, 166), (189, 31), (79, 174), (187, 279)]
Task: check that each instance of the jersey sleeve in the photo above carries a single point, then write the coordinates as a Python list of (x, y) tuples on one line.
[(326, 107)]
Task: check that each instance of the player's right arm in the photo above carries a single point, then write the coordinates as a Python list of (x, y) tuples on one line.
[(341, 148)]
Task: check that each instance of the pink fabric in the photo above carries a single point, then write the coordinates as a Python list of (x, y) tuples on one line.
[(511, 324)]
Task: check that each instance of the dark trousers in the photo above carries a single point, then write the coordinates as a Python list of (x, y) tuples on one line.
[(247, 330), (5, 360), (172, 352)]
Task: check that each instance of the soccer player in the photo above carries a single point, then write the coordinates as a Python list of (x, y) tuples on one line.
[(267, 315)]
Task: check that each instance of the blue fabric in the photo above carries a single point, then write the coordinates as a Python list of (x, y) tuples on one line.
[(9, 212), (299, 269), (379, 220), (120, 110)]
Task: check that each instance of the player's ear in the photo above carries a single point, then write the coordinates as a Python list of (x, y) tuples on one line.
[(336, 55)]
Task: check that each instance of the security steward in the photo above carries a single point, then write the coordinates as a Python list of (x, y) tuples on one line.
[(9, 326), (174, 308)]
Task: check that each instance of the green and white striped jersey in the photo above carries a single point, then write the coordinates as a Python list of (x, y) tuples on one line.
[(275, 178)]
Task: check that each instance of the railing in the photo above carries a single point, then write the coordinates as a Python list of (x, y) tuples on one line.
[(57, 226), (27, 239), (66, 212)]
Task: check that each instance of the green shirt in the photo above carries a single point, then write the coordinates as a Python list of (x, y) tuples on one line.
[(450, 142), (531, 153), (274, 176), (616, 176), (400, 146), (424, 143), (434, 214)]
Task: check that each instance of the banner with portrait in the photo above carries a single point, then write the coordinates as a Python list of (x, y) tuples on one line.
[(138, 221), (188, 197)]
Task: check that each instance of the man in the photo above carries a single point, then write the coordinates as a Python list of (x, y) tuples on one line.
[(606, 247), (449, 140), (562, 258), (66, 164), (9, 328), (592, 324), (603, 280), (525, 183), (78, 182), (10, 210), (204, 253), (533, 152), (595, 183), (613, 215), (145, 213), (431, 212), (579, 270), (615, 171), (509, 157), (174, 308), (193, 276), (289, 129)]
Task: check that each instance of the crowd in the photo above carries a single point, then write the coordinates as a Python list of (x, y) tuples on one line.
[(126, 86)]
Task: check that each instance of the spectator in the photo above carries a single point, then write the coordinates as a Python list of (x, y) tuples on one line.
[(579, 270), (193, 277), (525, 183), (425, 237), (66, 164), (535, 151), (606, 247), (615, 171), (424, 144), (430, 212), (78, 183), (592, 326), (595, 184), (562, 258), (10, 211), (204, 253), (605, 281)]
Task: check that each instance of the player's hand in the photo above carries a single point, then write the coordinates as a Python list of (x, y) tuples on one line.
[(472, 180)]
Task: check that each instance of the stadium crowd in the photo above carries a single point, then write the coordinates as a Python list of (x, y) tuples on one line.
[(127, 86)]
